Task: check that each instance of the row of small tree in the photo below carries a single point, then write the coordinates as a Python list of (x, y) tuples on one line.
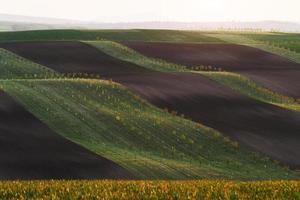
[(206, 68)]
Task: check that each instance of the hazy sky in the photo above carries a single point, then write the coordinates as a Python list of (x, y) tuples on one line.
[(154, 10)]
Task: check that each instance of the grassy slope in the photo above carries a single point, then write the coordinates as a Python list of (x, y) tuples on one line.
[(116, 35), (248, 87), (250, 40), (14, 66), (124, 53), (235, 81), (108, 119)]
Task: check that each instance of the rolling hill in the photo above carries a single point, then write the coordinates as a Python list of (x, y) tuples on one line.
[(106, 118), (145, 113), (193, 95)]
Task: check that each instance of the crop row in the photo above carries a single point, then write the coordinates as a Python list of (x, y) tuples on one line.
[(86, 190)]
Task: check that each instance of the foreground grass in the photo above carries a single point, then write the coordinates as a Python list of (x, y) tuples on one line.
[(115, 35), (279, 190), (108, 119), (251, 89)]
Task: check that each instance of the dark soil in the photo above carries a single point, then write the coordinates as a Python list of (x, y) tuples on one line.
[(272, 71), (30, 150)]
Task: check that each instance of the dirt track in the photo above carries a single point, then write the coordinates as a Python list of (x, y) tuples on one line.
[(262, 127), (272, 71), (30, 150)]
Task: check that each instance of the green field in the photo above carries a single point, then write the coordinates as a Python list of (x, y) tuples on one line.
[(285, 40), (115, 35)]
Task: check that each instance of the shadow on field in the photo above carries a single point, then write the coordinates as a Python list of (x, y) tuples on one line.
[(30, 150)]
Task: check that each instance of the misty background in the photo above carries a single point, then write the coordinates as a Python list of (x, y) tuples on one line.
[(267, 15)]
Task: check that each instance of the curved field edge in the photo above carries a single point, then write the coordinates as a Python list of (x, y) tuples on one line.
[(247, 40), (14, 66), (108, 119), (235, 81), (251, 89), (204, 189), (124, 53)]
